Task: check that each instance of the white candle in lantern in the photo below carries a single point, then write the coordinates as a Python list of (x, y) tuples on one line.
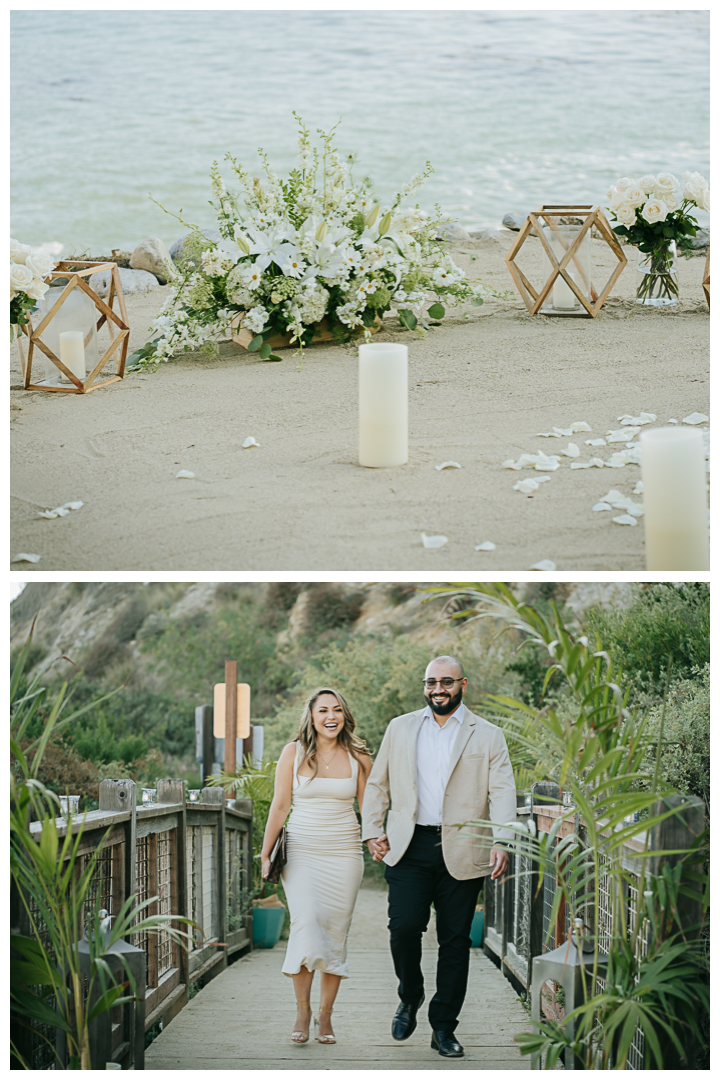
[(383, 399), (675, 499), (72, 353)]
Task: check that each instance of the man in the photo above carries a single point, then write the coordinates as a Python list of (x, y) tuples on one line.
[(437, 768)]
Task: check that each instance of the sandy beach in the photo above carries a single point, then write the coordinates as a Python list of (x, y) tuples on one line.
[(481, 387)]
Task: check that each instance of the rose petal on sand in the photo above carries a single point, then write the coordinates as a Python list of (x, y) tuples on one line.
[(625, 519), (696, 418), (602, 506), (526, 486), (622, 436), (250, 441), (49, 514), (61, 511), (593, 463), (643, 418), (595, 442), (448, 465), (571, 450), (510, 464), (24, 557), (544, 564), (673, 421), (73, 505), (550, 434), (487, 545), (578, 426), (547, 466), (433, 541), (615, 498), (638, 489), (185, 475)]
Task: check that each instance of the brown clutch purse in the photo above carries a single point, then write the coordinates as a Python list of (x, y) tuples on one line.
[(278, 858)]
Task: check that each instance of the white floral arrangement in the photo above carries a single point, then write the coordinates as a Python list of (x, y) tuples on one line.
[(653, 210), (28, 269), (315, 248)]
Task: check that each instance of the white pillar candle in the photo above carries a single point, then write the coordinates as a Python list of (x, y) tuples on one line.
[(675, 499), (383, 400), (72, 353)]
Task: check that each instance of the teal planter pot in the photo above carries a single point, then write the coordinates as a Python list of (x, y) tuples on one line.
[(267, 926), (476, 930)]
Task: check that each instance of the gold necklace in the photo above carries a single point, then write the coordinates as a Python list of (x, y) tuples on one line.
[(322, 758)]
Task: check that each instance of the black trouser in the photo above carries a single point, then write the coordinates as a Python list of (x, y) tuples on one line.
[(418, 880)]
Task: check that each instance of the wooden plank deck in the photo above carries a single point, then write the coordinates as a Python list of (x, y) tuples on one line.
[(243, 1018)]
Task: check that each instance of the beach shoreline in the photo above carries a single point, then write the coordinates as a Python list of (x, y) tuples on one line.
[(481, 387)]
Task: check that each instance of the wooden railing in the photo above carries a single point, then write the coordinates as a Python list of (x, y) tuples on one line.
[(196, 857), (518, 913)]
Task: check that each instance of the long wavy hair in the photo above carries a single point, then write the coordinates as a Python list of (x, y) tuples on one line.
[(307, 736)]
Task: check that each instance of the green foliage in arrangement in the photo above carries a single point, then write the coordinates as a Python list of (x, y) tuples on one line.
[(57, 889), (608, 754)]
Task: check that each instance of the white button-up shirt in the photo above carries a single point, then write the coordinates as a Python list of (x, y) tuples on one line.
[(434, 747)]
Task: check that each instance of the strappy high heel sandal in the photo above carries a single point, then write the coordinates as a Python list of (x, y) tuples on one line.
[(301, 1036), (323, 1038)]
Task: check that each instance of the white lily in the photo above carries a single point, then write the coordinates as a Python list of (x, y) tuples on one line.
[(270, 246)]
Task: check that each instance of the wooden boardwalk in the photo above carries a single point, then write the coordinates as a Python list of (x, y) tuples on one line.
[(243, 1018)]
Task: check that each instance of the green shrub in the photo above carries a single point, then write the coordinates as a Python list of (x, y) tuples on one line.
[(190, 658), (329, 607), (685, 754), (664, 622)]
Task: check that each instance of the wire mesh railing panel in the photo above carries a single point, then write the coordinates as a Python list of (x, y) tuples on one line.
[(521, 915), (164, 904), (101, 885), (208, 874), (191, 843), (604, 918), (548, 901), (142, 870), (234, 878)]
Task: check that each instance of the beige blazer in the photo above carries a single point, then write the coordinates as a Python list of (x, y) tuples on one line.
[(480, 786)]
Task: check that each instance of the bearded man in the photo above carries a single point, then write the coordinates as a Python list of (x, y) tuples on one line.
[(437, 769)]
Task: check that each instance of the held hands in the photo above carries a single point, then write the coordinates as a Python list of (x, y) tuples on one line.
[(378, 847), (499, 861)]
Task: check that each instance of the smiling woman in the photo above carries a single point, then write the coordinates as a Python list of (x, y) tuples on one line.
[(321, 773)]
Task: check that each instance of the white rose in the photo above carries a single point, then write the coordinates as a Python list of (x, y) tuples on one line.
[(672, 199), (20, 277), (704, 202), (624, 183), (633, 196), (648, 183), (654, 210), (20, 252), (38, 289), (626, 215), (666, 183), (40, 263), (614, 197), (695, 184)]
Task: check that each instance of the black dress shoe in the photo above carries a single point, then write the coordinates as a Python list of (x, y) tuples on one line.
[(405, 1020), (447, 1044)]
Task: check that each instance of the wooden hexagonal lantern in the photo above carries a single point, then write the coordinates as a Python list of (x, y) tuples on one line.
[(564, 233), (73, 311)]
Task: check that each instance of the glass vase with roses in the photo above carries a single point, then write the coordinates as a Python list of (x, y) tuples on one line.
[(653, 213)]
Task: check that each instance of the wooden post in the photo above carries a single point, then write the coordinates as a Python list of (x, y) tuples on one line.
[(205, 715), (119, 795), (678, 833), (230, 714)]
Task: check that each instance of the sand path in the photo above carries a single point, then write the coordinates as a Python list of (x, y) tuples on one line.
[(481, 387)]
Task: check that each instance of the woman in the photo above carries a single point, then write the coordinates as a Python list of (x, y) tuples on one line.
[(321, 772)]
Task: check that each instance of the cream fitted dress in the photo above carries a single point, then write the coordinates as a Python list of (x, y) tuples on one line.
[(323, 871)]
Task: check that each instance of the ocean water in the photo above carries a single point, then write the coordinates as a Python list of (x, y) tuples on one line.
[(512, 108)]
